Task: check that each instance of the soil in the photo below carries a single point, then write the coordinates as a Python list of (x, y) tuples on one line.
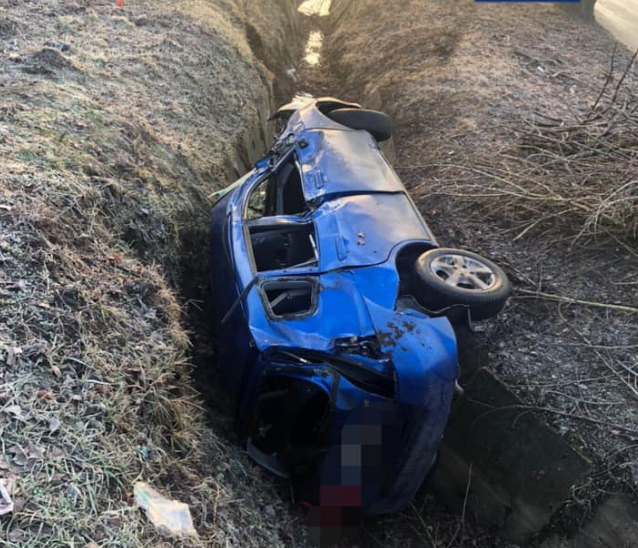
[(115, 126)]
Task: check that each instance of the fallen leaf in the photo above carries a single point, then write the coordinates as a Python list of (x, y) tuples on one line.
[(113, 518), (14, 410), (9, 483), (18, 505), (56, 371), (20, 460), (19, 457), (12, 355), (16, 535), (35, 452), (56, 453), (6, 504)]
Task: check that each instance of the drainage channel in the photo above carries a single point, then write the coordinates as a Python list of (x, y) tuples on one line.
[(426, 517), (311, 75), (314, 43), (194, 287)]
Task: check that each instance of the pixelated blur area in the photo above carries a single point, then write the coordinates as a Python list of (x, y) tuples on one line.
[(355, 474), (329, 525)]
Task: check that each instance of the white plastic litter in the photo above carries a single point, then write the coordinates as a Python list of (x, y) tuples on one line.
[(6, 504), (170, 517)]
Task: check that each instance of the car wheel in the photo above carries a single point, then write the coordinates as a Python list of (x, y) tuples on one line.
[(377, 123), (447, 277)]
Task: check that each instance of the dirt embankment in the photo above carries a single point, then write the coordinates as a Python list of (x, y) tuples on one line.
[(499, 145), (115, 126)]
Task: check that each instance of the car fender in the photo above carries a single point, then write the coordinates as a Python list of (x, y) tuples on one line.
[(421, 348)]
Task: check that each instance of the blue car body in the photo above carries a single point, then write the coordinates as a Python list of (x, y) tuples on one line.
[(341, 381)]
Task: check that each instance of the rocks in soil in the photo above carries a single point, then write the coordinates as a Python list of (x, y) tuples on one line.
[(140, 20), (56, 44), (49, 59)]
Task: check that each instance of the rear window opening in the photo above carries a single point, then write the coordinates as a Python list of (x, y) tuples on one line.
[(290, 297), (281, 193), (276, 248)]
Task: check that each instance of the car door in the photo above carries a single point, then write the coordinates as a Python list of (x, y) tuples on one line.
[(343, 162)]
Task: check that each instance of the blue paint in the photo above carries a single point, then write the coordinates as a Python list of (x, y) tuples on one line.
[(362, 217)]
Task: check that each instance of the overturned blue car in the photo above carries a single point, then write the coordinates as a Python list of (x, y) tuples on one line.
[(334, 312)]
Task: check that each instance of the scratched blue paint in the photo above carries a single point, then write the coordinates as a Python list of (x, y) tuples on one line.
[(362, 217)]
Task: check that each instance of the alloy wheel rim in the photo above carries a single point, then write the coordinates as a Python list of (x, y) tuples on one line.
[(463, 272)]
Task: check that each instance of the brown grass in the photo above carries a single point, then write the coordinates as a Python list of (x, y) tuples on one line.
[(108, 151), (510, 149), (573, 177)]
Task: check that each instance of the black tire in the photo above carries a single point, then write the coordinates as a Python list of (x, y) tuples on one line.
[(377, 123), (431, 290)]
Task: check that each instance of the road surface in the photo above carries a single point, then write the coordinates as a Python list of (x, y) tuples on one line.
[(620, 17)]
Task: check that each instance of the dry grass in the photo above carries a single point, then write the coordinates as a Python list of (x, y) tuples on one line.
[(108, 151), (574, 177), (510, 149)]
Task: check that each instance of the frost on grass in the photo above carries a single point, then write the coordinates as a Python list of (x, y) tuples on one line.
[(108, 151)]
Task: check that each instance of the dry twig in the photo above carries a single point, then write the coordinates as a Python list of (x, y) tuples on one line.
[(570, 300)]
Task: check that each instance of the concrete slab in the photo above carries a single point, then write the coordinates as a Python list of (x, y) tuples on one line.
[(615, 525), (519, 471)]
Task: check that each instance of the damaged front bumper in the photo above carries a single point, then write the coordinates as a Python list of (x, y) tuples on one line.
[(355, 431)]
